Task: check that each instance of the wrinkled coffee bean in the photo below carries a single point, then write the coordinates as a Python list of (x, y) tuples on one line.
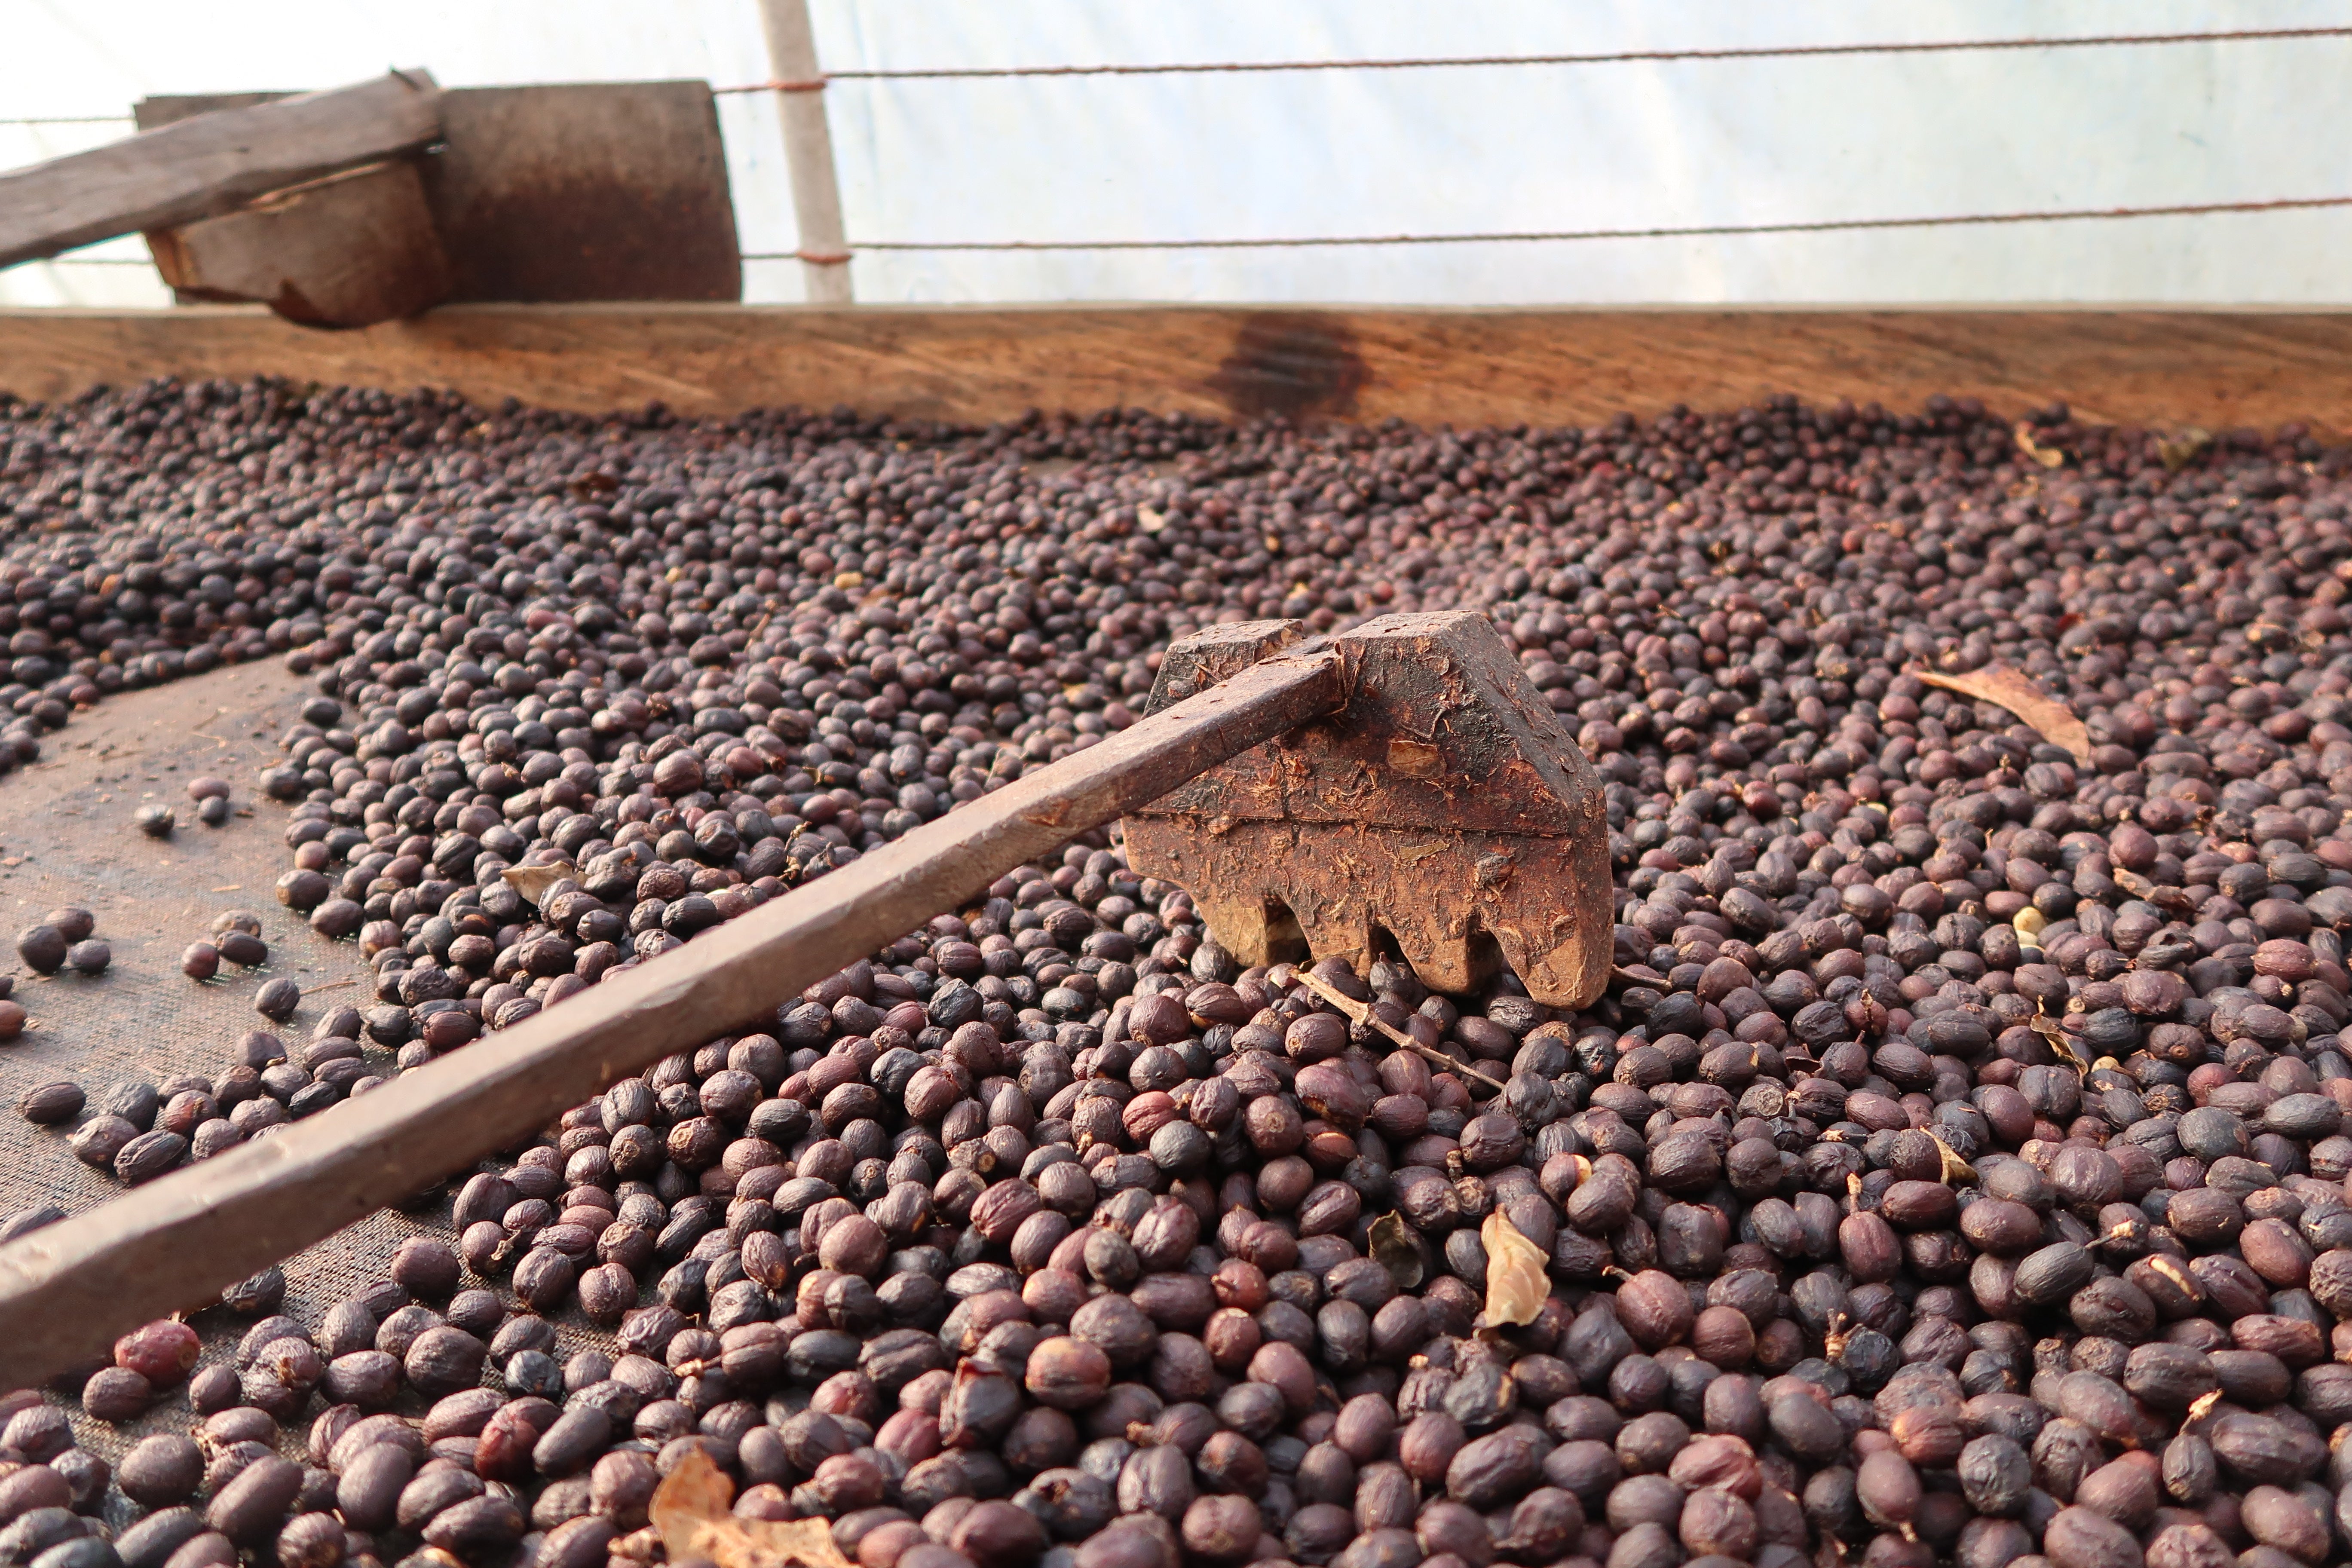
[(1965, 1108)]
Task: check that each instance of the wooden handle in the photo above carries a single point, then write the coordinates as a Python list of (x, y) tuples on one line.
[(69, 1290)]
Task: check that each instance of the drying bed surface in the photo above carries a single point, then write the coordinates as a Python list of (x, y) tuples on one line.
[(1954, 1169)]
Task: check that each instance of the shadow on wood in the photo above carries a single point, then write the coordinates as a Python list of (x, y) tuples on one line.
[(2217, 369)]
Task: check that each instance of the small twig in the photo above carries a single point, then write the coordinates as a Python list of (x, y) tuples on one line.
[(331, 985), (1361, 1013), (2123, 1232)]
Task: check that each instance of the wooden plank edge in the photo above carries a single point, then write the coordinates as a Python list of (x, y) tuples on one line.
[(210, 163), (2169, 368)]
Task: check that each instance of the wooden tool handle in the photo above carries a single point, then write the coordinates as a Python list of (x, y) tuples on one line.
[(69, 1290), (211, 163)]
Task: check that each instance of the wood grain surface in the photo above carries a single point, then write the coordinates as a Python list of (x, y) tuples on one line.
[(2214, 369), (210, 163), (350, 251), (576, 191)]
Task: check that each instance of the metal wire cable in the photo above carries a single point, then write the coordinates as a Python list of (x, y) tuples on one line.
[(1504, 236), (1623, 56), (1525, 237), (1438, 62)]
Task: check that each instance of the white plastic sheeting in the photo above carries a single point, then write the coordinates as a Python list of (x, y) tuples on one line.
[(1429, 152)]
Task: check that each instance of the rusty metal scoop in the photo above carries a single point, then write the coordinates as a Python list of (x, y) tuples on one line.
[(1402, 778), (1443, 807)]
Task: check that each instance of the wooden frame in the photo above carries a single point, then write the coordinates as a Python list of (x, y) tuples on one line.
[(65, 1288), (2214, 369)]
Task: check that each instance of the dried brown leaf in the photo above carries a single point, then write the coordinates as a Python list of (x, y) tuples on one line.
[(1395, 1249), (691, 1511), (2015, 691), (1955, 1171), (2060, 1041), (2048, 457), (1516, 1285), (691, 1499), (531, 882), (2178, 451)]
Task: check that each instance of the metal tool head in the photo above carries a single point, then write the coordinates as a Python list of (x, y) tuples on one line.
[(1443, 808)]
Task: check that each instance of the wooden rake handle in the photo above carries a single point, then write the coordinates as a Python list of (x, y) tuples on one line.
[(68, 1289), (211, 163)]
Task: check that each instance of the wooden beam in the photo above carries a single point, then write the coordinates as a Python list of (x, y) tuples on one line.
[(69, 1288), (164, 108), (2218, 369), (210, 164)]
